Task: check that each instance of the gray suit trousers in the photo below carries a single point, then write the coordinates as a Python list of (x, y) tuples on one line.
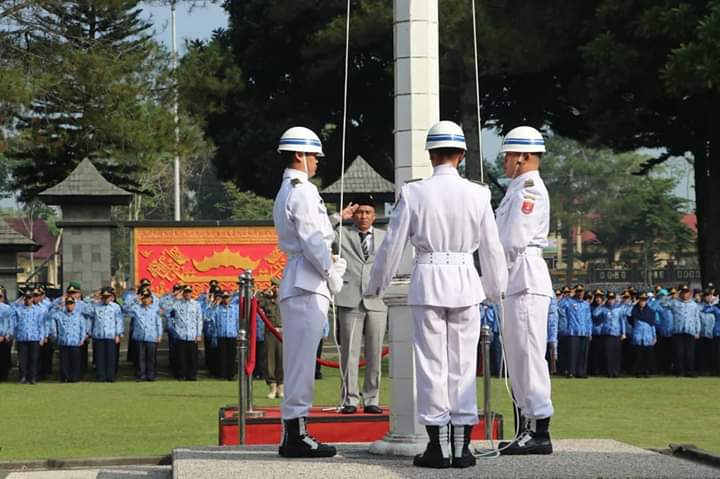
[(360, 327)]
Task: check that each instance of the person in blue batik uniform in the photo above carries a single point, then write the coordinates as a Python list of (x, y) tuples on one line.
[(686, 330), (715, 310), (563, 338), (643, 335), (579, 327), (208, 302), (596, 350), (552, 333), (704, 350), (225, 326), (107, 329), (187, 321), (30, 332), (147, 334), (69, 328), (166, 305), (610, 317), (5, 336), (664, 328)]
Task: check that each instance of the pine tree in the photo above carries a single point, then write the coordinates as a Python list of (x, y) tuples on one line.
[(100, 90)]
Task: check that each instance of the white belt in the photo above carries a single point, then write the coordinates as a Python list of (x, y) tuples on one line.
[(444, 258), (533, 251)]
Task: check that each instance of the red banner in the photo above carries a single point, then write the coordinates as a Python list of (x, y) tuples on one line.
[(195, 255)]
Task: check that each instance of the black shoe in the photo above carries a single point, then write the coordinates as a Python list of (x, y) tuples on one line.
[(348, 409), (521, 423), (438, 450), (32, 381), (297, 442), (529, 442), (461, 455), (372, 409), (318, 375), (23, 381)]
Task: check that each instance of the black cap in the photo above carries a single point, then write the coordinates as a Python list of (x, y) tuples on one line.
[(213, 282), (226, 294), (579, 287), (683, 288), (177, 287), (70, 300), (364, 200), (145, 282), (187, 288), (37, 292), (611, 295), (643, 295), (106, 292), (28, 293)]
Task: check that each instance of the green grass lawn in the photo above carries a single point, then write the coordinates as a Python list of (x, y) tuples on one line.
[(51, 420)]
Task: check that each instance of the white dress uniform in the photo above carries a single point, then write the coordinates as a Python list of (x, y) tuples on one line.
[(523, 220), (446, 218), (305, 235)]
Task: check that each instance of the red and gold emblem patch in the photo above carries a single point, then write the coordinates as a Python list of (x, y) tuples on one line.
[(528, 205)]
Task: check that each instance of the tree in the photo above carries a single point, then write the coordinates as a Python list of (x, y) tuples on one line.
[(626, 74), (291, 72), (99, 89), (244, 205)]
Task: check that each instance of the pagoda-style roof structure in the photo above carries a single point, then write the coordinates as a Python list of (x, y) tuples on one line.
[(13, 242), (85, 185), (361, 179)]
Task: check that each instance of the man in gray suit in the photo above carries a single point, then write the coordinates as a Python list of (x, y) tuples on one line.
[(362, 320)]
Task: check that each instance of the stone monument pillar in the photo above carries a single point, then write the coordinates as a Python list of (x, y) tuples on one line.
[(415, 29), (12, 243), (86, 198)]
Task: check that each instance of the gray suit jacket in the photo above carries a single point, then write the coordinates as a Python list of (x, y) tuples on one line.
[(357, 274)]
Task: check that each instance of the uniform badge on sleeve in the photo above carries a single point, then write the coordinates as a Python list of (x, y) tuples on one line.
[(528, 205)]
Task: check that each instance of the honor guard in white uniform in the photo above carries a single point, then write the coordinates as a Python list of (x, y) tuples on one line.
[(309, 279), (446, 218), (523, 219)]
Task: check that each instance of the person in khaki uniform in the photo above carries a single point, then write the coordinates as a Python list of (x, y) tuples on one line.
[(273, 347), (362, 321)]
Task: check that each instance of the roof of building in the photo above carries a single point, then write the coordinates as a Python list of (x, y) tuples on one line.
[(11, 240), (83, 184), (360, 177), (40, 232)]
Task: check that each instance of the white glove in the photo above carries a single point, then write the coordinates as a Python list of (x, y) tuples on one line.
[(335, 281), (340, 266)]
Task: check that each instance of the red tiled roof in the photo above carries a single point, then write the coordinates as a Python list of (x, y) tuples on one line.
[(41, 233)]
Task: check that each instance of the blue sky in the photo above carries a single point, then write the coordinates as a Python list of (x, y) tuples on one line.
[(192, 23)]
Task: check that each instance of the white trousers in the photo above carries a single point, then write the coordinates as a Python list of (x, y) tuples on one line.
[(446, 342), (525, 341), (303, 319)]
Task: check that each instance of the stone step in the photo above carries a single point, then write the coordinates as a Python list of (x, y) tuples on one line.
[(583, 458)]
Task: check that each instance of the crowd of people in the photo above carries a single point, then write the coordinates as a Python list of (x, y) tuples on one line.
[(669, 330), (38, 326)]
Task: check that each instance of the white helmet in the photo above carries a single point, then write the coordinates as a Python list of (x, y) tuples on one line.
[(445, 134), (523, 139), (299, 138)]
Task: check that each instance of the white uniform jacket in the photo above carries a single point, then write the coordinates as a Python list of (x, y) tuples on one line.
[(446, 218), (304, 234), (523, 219)]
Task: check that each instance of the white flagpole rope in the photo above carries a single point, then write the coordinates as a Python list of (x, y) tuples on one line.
[(344, 124)]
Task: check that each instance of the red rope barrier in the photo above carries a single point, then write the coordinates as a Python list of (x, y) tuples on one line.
[(323, 362), (252, 339)]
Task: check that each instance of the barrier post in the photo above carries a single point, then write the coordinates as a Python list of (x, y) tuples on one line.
[(486, 339), (242, 352)]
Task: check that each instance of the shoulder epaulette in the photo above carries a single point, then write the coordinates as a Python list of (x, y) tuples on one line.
[(529, 184), (295, 182)]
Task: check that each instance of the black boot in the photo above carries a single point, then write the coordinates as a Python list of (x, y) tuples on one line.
[(437, 453), (535, 440), (461, 454), (296, 442), (520, 422)]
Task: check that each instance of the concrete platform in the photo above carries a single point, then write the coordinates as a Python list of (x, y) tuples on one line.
[(572, 459), (118, 472)]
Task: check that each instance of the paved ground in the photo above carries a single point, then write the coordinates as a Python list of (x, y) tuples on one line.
[(589, 459), (572, 459), (120, 472)]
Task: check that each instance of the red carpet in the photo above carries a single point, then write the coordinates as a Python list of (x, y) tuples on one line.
[(325, 426)]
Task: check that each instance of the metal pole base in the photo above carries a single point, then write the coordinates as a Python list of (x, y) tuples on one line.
[(254, 413), (404, 445)]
